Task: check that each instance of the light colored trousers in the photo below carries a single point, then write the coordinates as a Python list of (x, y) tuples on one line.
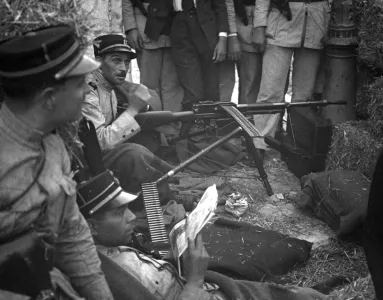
[(250, 72), (157, 72), (276, 65)]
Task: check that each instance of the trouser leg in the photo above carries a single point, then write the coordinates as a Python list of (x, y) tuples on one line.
[(226, 80), (305, 69), (172, 92), (275, 69), (150, 64), (187, 61), (250, 74)]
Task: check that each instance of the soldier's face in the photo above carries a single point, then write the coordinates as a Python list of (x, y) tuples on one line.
[(114, 67), (69, 98), (115, 228)]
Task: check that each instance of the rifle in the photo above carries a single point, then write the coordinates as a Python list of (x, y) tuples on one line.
[(140, 6), (216, 110)]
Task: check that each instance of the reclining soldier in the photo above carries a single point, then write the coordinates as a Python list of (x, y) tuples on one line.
[(132, 163), (112, 226), (42, 75)]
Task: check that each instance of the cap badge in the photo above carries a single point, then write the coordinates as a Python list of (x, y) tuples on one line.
[(97, 43)]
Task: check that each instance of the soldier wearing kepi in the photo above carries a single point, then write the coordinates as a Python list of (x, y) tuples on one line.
[(42, 75), (124, 147)]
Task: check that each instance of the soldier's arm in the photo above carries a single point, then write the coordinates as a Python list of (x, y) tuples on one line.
[(76, 255), (261, 12), (123, 128), (220, 11), (128, 16)]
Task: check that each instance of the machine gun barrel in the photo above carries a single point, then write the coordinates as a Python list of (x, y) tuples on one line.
[(214, 110)]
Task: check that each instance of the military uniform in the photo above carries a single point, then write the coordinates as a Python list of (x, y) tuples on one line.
[(131, 163), (158, 279), (37, 192)]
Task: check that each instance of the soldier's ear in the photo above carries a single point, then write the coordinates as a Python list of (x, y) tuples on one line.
[(49, 99)]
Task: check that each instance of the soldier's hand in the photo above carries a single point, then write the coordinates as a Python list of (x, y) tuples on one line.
[(195, 261), (220, 50), (234, 48), (134, 39), (259, 39), (136, 99)]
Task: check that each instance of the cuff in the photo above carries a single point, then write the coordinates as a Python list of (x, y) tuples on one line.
[(222, 34), (232, 34)]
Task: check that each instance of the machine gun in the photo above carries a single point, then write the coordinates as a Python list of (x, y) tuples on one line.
[(238, 116), (219, 110), (227, 111)]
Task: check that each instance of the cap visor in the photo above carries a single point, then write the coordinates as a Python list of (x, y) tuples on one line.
[(86, 65), (122, 198), (133, 55)]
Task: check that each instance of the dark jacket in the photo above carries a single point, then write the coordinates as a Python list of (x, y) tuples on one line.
[(160, 16), (212, 16)]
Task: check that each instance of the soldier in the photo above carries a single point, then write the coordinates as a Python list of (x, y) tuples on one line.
[(42, 74), (112, 227), (132, 163)]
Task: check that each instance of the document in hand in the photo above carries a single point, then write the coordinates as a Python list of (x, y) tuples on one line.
[(193, 224)]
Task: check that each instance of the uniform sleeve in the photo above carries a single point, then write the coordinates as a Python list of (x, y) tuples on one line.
[(128, 16), (76, 255), (231, 16), (220, 11), (123, 128), (261, 12)]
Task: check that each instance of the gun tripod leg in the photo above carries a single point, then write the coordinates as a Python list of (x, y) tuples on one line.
[(259, 164)]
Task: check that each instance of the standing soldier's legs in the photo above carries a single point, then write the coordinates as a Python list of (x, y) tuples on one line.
[(172, 92), (275, 69), (157, 72), (226, 79), (187, 62), (305, 70), (250, 74), (150, 63)]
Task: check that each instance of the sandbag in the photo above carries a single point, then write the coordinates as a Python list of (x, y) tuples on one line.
[(245, 251), (339, 198)]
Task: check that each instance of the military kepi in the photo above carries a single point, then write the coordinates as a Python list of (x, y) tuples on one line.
[(100, 193), (112, 43), (52, 52)]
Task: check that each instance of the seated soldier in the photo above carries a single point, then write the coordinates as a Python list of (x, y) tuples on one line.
[(132, 163), (42, 75), (112, 228)]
